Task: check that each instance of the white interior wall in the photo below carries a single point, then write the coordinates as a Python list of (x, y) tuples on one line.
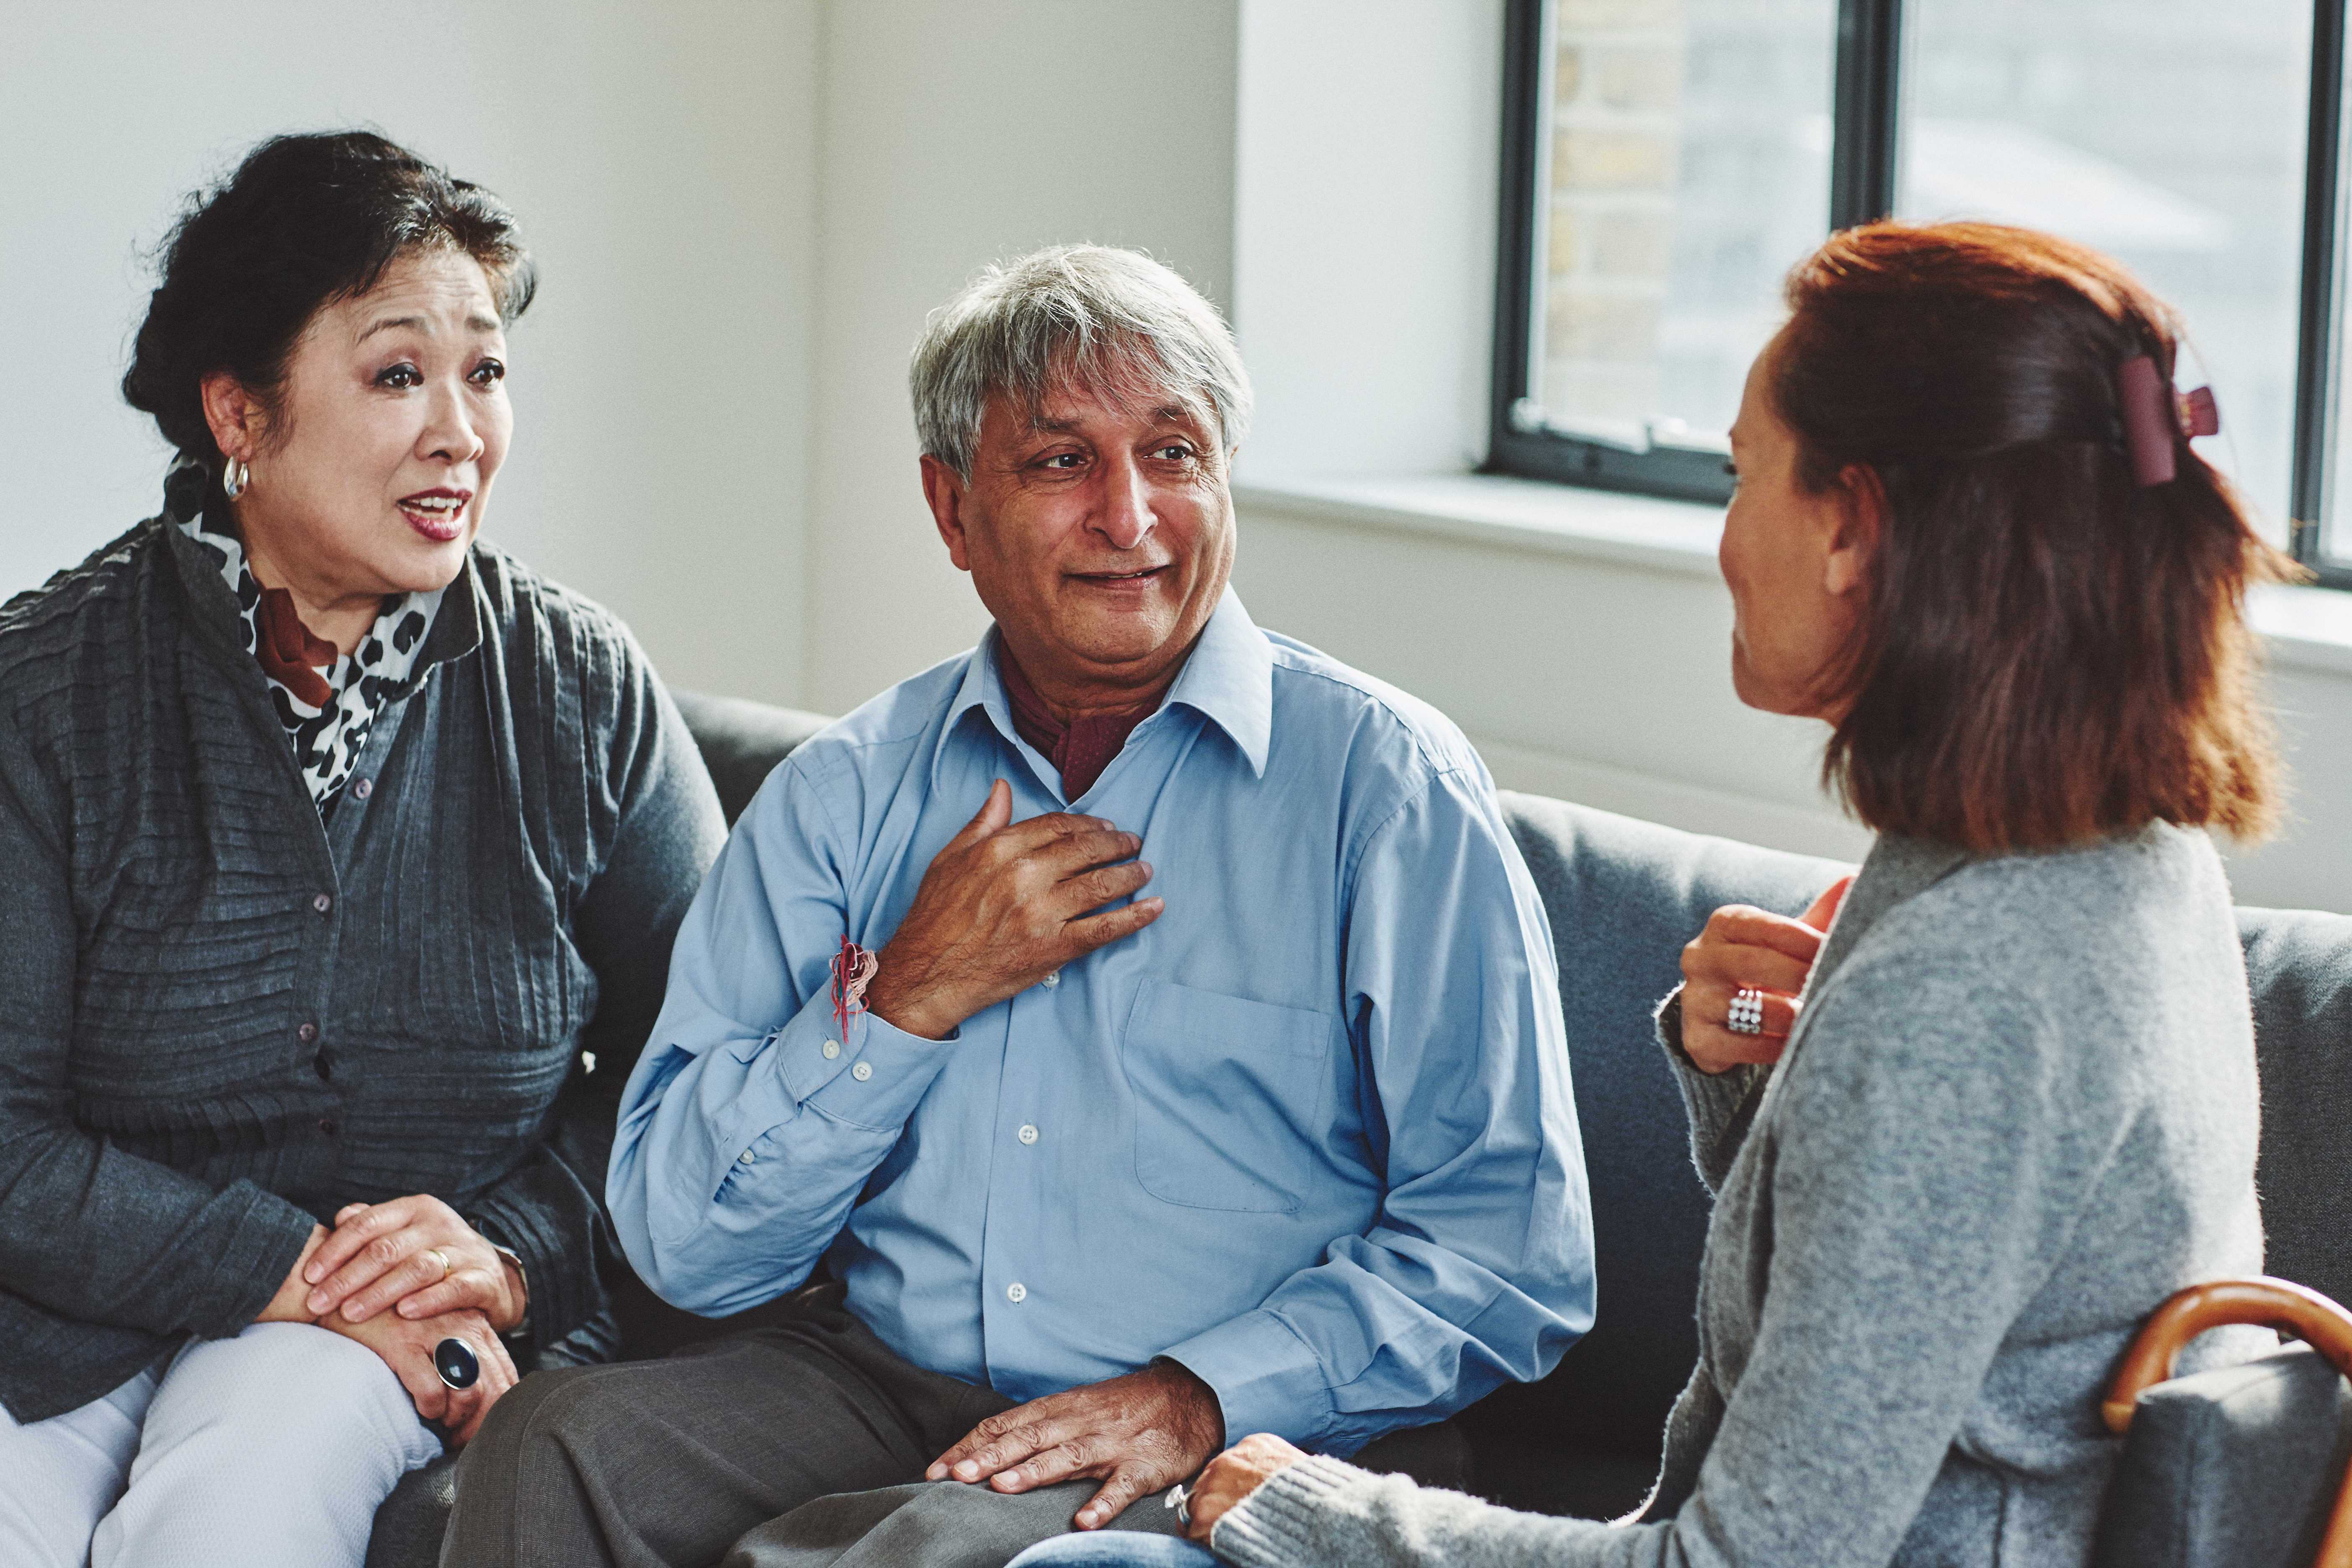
[(1364, 232), (955, 134), (662, 160)]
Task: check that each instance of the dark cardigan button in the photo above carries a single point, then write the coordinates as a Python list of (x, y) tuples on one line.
[(307, 1033), (323, 903), (327, 1126)]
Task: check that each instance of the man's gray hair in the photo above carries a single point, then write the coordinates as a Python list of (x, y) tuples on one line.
[(1115, 321)]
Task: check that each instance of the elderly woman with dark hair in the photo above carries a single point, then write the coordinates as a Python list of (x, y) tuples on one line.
[(344, 859), (1965, 1139)]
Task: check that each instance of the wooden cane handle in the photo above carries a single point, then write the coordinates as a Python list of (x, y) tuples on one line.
[(2270, 1303)]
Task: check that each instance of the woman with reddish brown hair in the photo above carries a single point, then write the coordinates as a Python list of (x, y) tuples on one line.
[(1967, 1130)]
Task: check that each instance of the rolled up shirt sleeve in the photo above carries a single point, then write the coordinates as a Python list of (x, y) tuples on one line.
[(1479, 1267)]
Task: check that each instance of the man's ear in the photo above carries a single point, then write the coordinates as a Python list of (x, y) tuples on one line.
[(944, 490), (234, 413), (1861, 513)]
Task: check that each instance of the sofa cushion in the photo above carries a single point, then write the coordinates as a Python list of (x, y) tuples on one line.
[(1624, 896), (2299, 967), (2236, 1467), (742, 741)]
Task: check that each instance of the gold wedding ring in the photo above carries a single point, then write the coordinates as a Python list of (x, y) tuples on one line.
[(436, 1252)]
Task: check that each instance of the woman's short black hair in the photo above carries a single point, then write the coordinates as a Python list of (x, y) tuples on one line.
[(305, 220)]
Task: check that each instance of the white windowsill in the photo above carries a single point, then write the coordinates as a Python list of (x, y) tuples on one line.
[(2309, 628)]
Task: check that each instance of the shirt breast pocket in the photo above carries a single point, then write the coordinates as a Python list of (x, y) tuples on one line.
[(1231, 1097)]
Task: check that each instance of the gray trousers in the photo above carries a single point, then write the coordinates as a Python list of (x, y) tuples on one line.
[(799, 1446)]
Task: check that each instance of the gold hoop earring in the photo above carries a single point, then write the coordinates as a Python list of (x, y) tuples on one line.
[(236, 478)]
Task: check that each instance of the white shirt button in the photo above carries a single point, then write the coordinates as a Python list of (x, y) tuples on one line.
[(1016, 1292), (1053, 980), (862, 1071), (1028, 1134), (747, 1158), (832, 1049)]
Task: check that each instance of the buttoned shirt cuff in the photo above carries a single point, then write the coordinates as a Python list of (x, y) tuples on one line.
[(873, 1078), (1266, 1377)]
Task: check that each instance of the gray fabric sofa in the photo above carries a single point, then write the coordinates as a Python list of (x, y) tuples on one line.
[(1624, 896)]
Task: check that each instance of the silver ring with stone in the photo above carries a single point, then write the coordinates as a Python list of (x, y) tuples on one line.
[(1177, 1500), (1747, 1015)]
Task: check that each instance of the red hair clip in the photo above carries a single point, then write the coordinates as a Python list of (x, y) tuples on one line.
[(2154, 422)]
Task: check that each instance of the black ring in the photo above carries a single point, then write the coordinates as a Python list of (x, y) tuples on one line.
[(455, 1360)]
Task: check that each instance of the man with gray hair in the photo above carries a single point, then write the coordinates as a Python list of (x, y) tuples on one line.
[(1141, 1027)]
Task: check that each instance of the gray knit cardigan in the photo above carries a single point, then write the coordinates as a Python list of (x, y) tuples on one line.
[(2018, 1111), (221, 1019)]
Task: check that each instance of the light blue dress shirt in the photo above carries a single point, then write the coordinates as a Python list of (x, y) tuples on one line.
[(1309, 1134)]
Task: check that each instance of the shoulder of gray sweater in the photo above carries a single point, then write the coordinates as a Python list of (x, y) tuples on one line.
[(2016, 960), (102, 584), (517, 591), (595, 652), (2043, 922)]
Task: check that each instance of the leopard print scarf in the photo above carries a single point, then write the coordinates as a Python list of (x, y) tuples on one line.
[(328, 737)]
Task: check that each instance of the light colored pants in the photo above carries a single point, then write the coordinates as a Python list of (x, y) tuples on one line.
[(269, 1450), (1115, 1549)]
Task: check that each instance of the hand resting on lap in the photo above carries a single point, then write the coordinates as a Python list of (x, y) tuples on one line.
[(1234, 1475), (405, 1345), (1144, 1431), (381, 1255), (404, 1339)]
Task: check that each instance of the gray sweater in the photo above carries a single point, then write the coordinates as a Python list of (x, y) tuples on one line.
[(222, 1018), (2018, 1111)]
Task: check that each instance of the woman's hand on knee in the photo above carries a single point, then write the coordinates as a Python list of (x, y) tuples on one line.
[(1745, 949), (406, 1345), (415, 1254), (1233, 1476)]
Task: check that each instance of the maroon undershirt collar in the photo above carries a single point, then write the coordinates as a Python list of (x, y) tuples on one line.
[(1080, 751)]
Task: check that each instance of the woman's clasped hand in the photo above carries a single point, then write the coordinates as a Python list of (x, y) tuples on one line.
[(400, 1277), (377, 1279), (1233, 1475), (1742, 949), (415, 1256)]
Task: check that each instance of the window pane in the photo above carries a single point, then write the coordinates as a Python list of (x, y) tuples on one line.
[(2169, 134), (2335, 520), (1688, 145)]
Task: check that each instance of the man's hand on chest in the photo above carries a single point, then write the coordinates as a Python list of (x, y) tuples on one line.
[(1003, 905)]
